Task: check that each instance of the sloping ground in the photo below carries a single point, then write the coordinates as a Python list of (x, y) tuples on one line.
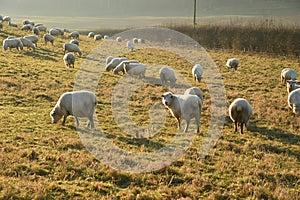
[(40, 160)]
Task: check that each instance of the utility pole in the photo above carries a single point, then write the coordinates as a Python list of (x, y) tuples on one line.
[(195, 10)]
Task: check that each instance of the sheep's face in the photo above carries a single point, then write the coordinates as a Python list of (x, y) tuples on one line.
[(296, 109), (167, 98), (55, 115)]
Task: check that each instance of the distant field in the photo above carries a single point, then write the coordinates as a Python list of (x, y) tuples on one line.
[(40, 160)]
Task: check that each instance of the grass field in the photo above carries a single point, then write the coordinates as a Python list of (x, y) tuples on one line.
[(40, 160)]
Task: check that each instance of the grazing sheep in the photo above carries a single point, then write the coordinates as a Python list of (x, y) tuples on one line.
[(292, 85), (108, 59), (74, 35), (12, 25), (232, 63), (197, 72), (26, 21), (114, 63), (135, 69), (183, 107), (120, 67), (12, 43), (27, 43), (48, 38), (33, 38), (194, 91), (74, 41), (27, 27), (36, 31), (54, 32), (240, 112), (294, 101), (130, 45), (91, 34), (70, 47), (167, 75), (97, 37), (288, 74), (106, 37), (78, 104), (119, 39), (142, 41), (69, 59), (135, 40), (6, 19), (42, 28)]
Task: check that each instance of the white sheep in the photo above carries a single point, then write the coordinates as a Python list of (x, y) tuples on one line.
[(91, 34), (74, 35), (135, 69), (142, 41), (183, 107), (232, 63), (167, 75), (33, 38), (240, 112), (77, 104), (36, 31), (42, 28), (74, 41), (194, 91), (97, 37), (48, 38), (108, 59), (106, 37), (197, 72), (6, 19), (294, 101), (70, 47), (120, 67), (119, 39), (130, 45), (27, 21), (54, 32), (135, 40), (27, 27), (288, 74), (114, 63), (27, 43), (12, 43), (12, 25), (69, 59), (292, 85)]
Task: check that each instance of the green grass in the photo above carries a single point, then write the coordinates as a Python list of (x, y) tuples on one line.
[(40, 160)]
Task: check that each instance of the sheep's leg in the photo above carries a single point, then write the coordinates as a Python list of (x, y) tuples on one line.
[(235, 126), (64, 120), (179, 124), (242, 126), (187, 126), (91, 122), (198, 124), (76, 122)]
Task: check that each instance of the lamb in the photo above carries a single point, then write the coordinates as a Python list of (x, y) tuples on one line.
[(232, 63), (70, 47), (74, 35), (33, 38), (108, 59), (114, 63), (74, 41), (288, 74), (48, 38), (197, 72), (194, 91), (12, 43), (130, 45), (27, 43), (78, 104), (119, 39), (97, 37), (294, 101), (91, 34), (183, 107), (167, 75), (69, 59), (27, 27), (36, 31), (135, 69), (240, 112), (292, 85)]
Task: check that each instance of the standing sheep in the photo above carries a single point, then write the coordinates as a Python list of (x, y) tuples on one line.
[(130, 45), (167, 75), (288, 74), (114, 63), (294, 101), (33, 38), (6, 19), (240, 112), (36, 31), (121, 66), (106, 37), (78, 104), (12, 43), (70, 47), (69, 59), (108, 59), (42, 28), (74, 41), (12, 25), (135, 69), (292, 85), (197, 72), (232, 63), (74, 35), (27, 43), (119, 39), (54, 32), (48, 38), (27, 27), (97, 37), (194, 91), (91, 34), (183, 107)]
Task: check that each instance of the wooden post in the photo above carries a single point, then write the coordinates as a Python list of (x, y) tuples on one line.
[(195, 10)]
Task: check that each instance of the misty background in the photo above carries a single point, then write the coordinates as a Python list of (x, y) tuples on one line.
[(140, 12)]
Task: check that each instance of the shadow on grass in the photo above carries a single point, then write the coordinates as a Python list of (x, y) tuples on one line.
[(41, 55)]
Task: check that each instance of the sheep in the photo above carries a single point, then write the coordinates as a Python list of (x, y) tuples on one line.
[(97, 37), (27, 27), (1, 18), (27, 43), (183, 107), (70, 47), (167, 75), (106, 37), (135, 40), (6, 19), (33, 38), (36, 31), (119, 39), (38, 24), (288, 74), (74, 41), (292, 85), (194, 91), (240, 112), (42, 28), (54, 32), (120, 67), (130, 45), (26, 21), (114, 63), (91, 34), (232, 63), (294, 101), (108, 59), (197, 72), (12, 43), (74, 35), (48, 38), (142, 41), (135, 69), (1, 25), (77, 104), (69, 59), (12, 25)]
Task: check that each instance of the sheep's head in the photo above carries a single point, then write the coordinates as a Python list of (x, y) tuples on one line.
[(167, 98), (296, 109), (56, 115)]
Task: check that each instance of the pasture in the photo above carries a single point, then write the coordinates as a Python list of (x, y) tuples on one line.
[(40, 160)]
